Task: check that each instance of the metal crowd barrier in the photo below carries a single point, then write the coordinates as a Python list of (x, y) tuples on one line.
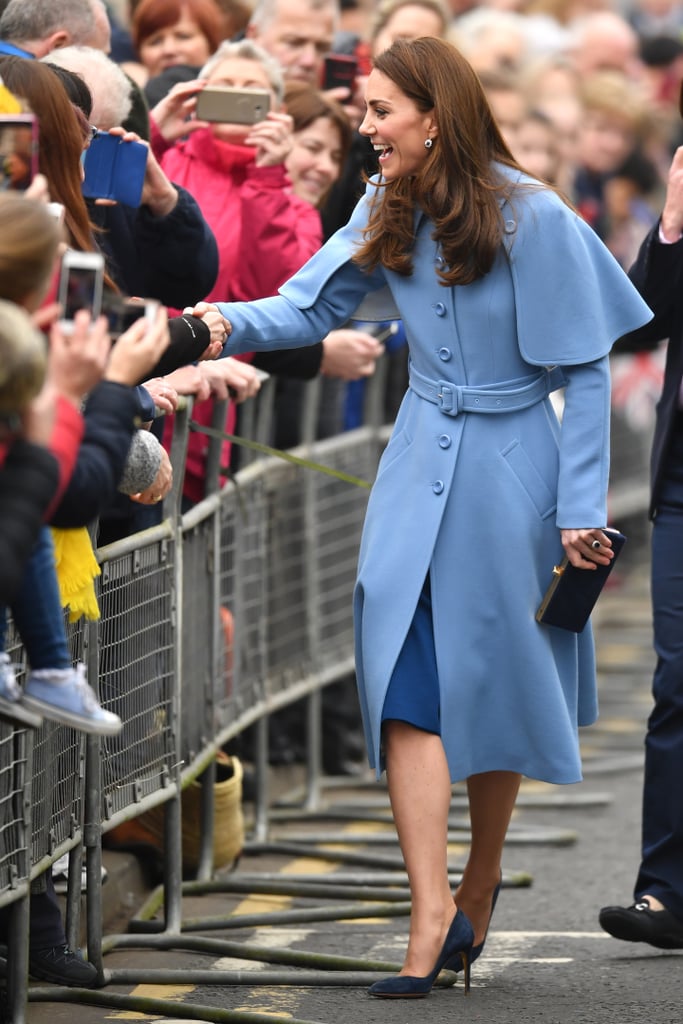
[(209, 622)]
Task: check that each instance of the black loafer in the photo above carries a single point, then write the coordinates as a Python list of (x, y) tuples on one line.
[(639, 923)]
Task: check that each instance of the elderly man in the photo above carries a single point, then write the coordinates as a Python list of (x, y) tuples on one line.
[(605, 41), (298, 33), (34, 28)]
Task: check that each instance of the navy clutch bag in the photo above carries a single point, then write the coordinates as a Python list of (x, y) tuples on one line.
[(571, 596)]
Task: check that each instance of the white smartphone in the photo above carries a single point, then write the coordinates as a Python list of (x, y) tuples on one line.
[(80, 285)]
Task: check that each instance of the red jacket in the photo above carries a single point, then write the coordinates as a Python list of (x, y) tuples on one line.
[(65, 439), (265, 233)]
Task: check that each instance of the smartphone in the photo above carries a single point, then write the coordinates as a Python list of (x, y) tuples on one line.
[(122, 312), (224, 104), (340, 72), (80, 285), (114, 169), (18, 151)]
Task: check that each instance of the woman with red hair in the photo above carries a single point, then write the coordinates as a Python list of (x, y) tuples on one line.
[(168, 33)]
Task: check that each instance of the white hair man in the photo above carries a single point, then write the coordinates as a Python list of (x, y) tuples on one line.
[(605, 41), (109, 87), (298, 33)]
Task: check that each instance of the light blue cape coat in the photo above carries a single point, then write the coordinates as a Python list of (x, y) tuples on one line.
[(477, 500)]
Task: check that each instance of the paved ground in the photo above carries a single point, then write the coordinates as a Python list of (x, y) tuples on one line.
[(570, 851)]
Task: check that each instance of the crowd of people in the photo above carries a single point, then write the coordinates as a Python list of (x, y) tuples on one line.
[(565, 117)]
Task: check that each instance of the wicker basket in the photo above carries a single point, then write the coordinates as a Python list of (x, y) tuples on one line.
[(228, 837)]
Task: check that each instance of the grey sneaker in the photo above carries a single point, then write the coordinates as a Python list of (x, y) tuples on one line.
[(11, 706), (60, 875), (64, 696)]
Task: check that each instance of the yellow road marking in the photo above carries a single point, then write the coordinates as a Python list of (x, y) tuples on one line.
[(172, 992)]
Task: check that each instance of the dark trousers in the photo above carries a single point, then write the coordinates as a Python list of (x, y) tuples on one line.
[(661, 869), (46, 927)]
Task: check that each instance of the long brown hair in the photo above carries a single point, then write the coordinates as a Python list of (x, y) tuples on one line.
[(60, 141), (457, 187)]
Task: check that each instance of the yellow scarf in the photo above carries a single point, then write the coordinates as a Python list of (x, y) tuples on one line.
[(77, 569)]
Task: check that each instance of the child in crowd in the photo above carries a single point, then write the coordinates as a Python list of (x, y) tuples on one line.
[(54, 687)]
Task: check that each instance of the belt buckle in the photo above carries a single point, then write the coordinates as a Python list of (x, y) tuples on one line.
[(448, 398)]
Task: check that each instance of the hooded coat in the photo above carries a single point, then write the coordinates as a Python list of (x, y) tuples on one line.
[(479, 476)]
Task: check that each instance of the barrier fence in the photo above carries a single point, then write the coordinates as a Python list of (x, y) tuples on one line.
[(209, 622)]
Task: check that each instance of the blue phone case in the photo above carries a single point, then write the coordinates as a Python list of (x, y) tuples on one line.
[(114, 169)]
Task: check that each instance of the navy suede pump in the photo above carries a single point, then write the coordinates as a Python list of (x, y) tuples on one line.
[(455, 963), (458, 942)]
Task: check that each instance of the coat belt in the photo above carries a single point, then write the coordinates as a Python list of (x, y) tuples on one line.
[(506, 396)]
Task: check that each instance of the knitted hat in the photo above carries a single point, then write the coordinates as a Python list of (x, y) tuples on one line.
[(142, 463)]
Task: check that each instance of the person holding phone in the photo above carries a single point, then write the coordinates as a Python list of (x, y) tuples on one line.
[(91, 450), (297, 33), (300, 34), (479, 491), (54, 688)]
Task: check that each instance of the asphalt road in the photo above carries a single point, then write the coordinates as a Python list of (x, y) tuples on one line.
[(570, 850)]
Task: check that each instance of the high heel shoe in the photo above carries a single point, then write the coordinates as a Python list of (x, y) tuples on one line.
[(458, 942), (455, 963)]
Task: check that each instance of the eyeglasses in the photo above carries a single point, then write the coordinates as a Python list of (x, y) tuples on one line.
[(92, 133)]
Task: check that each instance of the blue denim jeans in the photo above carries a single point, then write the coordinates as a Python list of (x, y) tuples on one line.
[(37, 610)]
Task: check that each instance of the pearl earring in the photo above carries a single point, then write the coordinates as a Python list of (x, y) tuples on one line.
[(429, 143)]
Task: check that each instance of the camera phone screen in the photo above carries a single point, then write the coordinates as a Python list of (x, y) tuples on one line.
[(80, 291), (16, 156)]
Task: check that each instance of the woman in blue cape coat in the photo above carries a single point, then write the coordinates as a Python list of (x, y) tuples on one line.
[(505, 295)]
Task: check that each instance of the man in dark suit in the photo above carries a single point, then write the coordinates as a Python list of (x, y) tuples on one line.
[(656, 916)]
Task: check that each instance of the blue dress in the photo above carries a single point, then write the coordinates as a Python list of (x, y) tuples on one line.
[(479, 476)]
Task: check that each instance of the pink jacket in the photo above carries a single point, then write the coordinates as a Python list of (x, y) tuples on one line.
[(264, 232)]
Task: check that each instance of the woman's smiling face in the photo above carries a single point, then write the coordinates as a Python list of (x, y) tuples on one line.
[(314, 162), (396, 127)]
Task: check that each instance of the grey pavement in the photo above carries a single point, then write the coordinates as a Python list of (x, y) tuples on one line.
[(570, 851)]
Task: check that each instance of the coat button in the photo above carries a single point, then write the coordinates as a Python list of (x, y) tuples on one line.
[(510, 226), (439, 261), (439, 309), (445, 441), (437, 486), (445, 354)]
